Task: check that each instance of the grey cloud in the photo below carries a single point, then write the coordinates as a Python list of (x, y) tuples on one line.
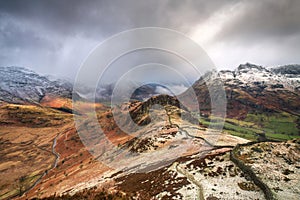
[(56, 36), (14, 36)]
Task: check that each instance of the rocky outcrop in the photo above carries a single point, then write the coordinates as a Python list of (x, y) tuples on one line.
[(141, 111)]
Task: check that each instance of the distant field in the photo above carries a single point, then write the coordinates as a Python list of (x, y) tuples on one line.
[(278, 126)]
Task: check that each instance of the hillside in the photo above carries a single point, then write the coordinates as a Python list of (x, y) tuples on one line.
[(151, 147)]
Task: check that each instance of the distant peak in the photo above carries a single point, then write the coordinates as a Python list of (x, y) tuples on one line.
[(17, 68), (287, 69), (249, 66)]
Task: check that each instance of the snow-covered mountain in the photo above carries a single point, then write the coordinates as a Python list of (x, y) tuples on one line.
[(253, 88), (247, 75), (21, 85), (248, 87)]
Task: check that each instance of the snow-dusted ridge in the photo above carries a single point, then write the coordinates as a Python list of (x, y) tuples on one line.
[(283, 77), (18, 85)]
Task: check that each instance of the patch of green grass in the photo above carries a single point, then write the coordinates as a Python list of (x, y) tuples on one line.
[(236, 127), (276, 123), (204, 121), (278, 136), (242, 135)]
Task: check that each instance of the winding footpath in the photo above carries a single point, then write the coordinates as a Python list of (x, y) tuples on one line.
[(190, 177), (52, 167), (54, 152)]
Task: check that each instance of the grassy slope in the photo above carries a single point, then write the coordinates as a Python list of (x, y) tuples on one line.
[(26, 138)]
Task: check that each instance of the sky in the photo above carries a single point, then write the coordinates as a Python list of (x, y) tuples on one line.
[(55, 37)]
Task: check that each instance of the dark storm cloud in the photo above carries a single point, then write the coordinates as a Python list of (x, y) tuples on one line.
[(56, 36), (107, 17)]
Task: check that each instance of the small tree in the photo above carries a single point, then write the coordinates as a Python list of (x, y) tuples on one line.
[(21, 184)]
